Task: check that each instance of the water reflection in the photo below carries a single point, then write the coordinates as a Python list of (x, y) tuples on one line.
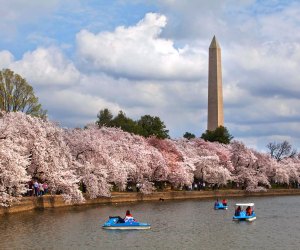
[(189, 224)]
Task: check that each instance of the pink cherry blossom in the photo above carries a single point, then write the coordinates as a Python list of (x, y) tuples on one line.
[(107, 158)]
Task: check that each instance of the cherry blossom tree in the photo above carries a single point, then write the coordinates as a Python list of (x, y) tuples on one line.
[(281, 174), (92, 160), (180, 173), (50, 159), (117, 156), (287, 171), (13, 175), (209, 161), (250, 167), (105, 158)]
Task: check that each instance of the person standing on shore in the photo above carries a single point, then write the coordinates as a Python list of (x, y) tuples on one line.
[(41, 189), (36, 188), (45, 186)]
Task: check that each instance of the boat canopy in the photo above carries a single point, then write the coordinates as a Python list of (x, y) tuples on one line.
[(245, 204)]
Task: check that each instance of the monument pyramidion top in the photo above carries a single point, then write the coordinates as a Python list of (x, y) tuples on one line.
[(214, 44)]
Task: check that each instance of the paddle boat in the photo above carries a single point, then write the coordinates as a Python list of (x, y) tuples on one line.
[(220, 205), (116, 222), (242, 214)]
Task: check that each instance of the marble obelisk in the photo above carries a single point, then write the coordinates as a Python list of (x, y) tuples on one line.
[(215, 93)]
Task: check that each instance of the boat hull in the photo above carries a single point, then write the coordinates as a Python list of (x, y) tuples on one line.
[(127, 227), (220, 206), (117, 223), (244, 217)]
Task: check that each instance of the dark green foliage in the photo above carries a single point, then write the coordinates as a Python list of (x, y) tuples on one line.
[(104, 118), (189, 135), (17, 95), (152, 126), (220, 134), (125, 123), (146, 126)]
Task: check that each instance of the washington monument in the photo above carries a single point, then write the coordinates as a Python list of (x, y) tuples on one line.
[(215, 93)]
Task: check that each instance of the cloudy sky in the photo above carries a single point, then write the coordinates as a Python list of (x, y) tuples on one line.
[(151, 57)]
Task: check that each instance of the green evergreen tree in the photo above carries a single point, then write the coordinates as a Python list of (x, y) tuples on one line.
[(189, 135), (146, 126), (152, 126), (104, 118), (125, 123), (220, 134)]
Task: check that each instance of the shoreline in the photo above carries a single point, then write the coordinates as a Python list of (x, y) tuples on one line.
[(56, 201)]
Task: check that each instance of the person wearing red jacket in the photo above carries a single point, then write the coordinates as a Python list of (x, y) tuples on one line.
[(248, 211), (128, 216)]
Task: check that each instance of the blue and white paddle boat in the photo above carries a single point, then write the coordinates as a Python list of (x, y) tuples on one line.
[(244, 212), (116, 222), (220, 205)]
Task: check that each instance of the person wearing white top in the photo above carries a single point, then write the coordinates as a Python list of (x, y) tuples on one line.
[(41, 189)]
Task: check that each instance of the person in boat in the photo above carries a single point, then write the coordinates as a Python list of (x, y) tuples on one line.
[(238, 211), (224, 202), (248, 211), (128, 216), (217, 202)]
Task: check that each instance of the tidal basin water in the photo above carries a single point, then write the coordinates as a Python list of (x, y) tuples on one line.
[(187, 224)]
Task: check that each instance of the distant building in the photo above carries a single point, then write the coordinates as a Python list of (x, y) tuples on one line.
[(215, 92)]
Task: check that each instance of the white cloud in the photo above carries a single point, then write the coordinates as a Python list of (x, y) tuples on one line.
[(74, 108), (47, 67), (5, 59), (138, 52), (158, 66)]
